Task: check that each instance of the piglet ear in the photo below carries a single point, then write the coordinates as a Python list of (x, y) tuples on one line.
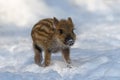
[(55, 21), (70, 20)]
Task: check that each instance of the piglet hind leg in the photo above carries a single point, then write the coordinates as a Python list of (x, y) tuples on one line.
[(38, 55), (47, 58)]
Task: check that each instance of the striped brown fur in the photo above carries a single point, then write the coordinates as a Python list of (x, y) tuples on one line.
[(52, 35)]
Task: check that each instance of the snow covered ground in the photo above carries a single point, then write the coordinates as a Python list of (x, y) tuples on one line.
[(95, 56)]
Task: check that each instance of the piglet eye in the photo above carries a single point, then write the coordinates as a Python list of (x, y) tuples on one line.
[(60, 31)]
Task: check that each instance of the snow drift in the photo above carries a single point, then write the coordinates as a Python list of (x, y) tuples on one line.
[(95, 56)]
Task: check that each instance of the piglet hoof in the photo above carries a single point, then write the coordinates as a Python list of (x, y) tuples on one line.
[(69, 66)]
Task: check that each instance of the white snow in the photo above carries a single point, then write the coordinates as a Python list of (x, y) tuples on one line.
[(95, 55)]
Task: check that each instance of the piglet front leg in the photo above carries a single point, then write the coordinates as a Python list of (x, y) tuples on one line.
[(66, 56)]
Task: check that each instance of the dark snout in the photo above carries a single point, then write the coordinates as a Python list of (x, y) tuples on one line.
[(69, 41)]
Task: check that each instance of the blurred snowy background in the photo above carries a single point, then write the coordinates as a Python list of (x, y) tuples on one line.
[(96, 54)]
